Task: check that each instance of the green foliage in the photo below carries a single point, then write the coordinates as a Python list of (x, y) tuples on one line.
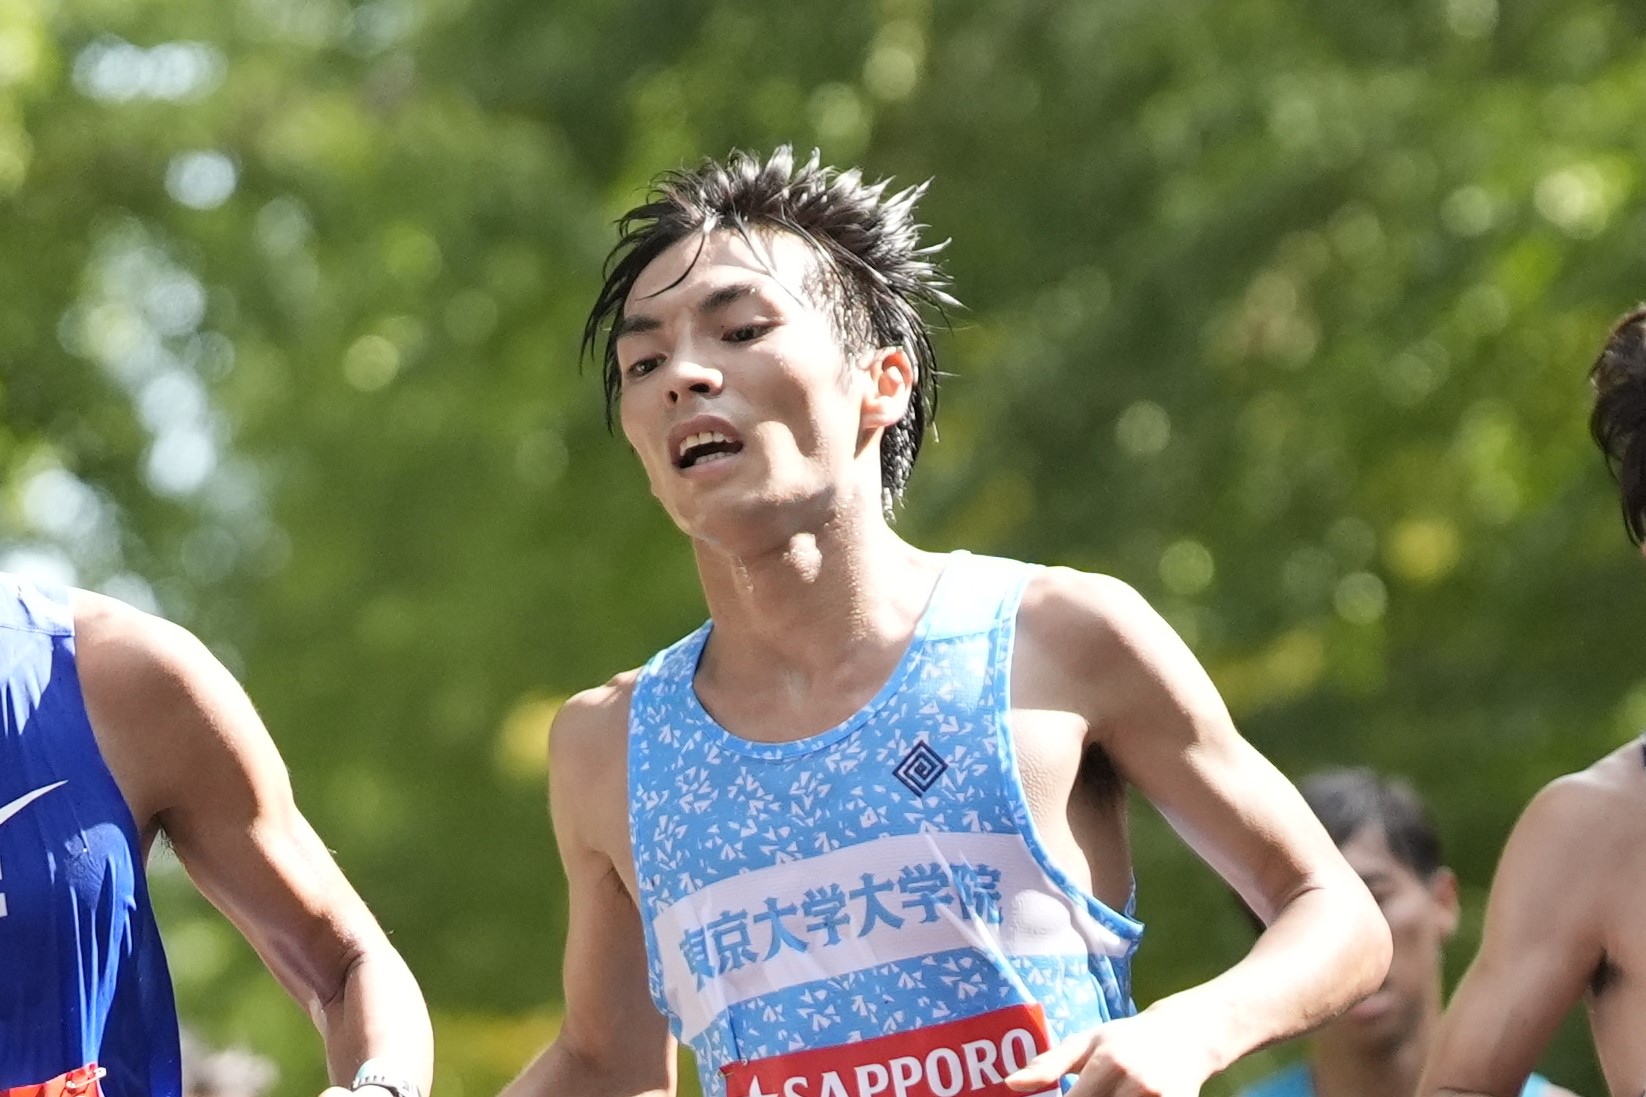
[(1280, 314)]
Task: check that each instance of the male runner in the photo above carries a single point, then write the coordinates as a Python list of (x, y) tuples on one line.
[(1564, 918), (1378, 1047), (863, 833), (117, 727)]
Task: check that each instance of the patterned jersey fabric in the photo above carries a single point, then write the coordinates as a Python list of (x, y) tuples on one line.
[(877, 879), (84, 978)]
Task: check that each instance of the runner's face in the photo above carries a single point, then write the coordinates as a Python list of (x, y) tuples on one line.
[(735, 390), (1421, 914)]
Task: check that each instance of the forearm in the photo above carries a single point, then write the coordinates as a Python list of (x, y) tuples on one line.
[(1327, 949), (559, 1072), (378, 1013)]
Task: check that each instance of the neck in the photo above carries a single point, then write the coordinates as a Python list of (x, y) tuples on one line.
[(815, 594), (809, 619)]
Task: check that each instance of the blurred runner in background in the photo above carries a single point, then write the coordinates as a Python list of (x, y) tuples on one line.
[(1378, 1047)]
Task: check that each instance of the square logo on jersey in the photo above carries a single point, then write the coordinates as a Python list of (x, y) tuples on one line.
[(966, 1058), (920, 768)]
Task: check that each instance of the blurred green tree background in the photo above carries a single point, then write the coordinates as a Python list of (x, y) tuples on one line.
[(1279, 312)]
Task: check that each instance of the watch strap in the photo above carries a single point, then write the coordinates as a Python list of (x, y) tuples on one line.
[(375, 1072)]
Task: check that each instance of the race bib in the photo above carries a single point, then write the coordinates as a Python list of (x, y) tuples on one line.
[(968, 1058)]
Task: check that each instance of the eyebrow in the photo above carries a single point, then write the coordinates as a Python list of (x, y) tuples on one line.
[(715, 302)]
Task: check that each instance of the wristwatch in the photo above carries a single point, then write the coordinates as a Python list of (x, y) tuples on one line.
[(374, 1072)]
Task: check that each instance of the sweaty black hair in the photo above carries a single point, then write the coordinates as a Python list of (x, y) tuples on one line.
[(1347, 800), (1618, 421), (876, 278)]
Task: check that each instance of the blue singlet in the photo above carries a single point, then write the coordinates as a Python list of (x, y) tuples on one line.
[(82, 975), (869, 909)]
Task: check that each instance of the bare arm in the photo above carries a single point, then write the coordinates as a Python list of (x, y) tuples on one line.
[(1155, 712), (612, 1041), (193, 759), (1536, 955)]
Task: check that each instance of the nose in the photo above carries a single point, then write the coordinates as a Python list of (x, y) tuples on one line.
[(689, 375)]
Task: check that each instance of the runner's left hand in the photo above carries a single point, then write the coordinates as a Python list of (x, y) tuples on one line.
[(1142, 1056)]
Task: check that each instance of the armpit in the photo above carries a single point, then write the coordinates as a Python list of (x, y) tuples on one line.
[(1604, 977)]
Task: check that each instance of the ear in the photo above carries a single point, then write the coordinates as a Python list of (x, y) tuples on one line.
[(890, 388), (1443, 890)]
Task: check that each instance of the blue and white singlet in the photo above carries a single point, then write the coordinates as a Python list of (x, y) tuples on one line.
[(879, 887), (82, 975)]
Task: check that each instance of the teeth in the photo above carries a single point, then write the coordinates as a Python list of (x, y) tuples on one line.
[(701, 438)]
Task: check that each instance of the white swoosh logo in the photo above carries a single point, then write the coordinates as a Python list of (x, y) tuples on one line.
[(25, 800)]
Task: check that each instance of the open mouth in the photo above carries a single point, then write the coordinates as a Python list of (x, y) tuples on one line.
[(703, 447)]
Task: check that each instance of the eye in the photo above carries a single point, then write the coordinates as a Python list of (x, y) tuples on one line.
[(642, 366), (748, 333)]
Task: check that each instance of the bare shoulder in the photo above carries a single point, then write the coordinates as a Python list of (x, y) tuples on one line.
[(168, 717), (1099, 644), (1616, 778), (1595, 813), (591, 729), (1082, 616), (1084, 599), (145, 678), (1581, 837), (588, 769), (119, 645)]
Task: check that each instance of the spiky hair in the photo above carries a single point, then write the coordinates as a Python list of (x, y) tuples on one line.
[(878, 282), (1618, 420)]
